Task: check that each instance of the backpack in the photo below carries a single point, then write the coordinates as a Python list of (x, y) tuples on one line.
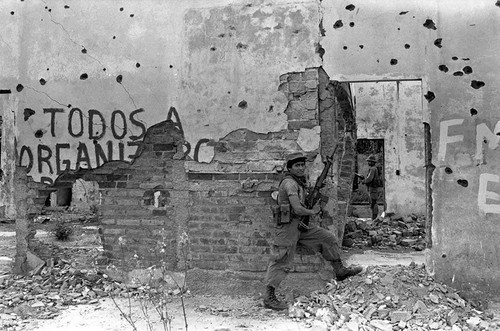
[(378, 181)]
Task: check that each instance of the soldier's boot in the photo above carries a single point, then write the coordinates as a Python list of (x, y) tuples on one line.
[(342, 272), (271, 301)]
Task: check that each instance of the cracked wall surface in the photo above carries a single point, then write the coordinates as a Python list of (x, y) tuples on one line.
[(88, 79), (452, 46)]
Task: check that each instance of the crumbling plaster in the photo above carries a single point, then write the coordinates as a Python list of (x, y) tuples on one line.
[(160, 54), (453, 47), (218, 64)]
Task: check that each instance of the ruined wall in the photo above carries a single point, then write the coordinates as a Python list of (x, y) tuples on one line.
[(452, 46), (392, 111)]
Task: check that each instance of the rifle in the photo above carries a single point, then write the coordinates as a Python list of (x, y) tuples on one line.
[(313, 197)]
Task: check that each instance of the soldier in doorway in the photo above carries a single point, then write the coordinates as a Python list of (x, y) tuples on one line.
[(291, 198), (372, 184)]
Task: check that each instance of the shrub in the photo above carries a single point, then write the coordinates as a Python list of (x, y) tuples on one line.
[(62, 231)]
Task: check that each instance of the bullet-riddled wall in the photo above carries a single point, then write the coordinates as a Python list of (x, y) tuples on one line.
[(84, 81), (452, 46)]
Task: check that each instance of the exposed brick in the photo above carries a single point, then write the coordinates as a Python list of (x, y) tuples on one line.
[(153, 222), (199, 176), (159, 212), (226, 176)]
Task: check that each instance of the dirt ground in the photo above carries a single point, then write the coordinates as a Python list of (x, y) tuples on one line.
[(202, 313), (237, 312)]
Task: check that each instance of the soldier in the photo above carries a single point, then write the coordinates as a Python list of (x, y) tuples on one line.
[(372, 185), (291, 197)]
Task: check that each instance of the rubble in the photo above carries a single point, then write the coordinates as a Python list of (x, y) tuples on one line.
[(390, 232), (391, 298)]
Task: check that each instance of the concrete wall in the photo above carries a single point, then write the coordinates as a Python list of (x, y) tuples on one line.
[(452, 46), (392, 111), (88, 79)]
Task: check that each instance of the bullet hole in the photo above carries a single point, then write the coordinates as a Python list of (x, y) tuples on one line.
[(338, 24), (84, 76), (198, 110), (243, 46), (394, 62), (443, 68), (465, 59), (463, 182), (454, 58), (361, 46), (498, 3), (243, 104), (137, 65), (19, 87), (403, 13), (38, 134), (443, 256), (458, 73), (345, 47), (119, 79), (429, 96), (320, 50), (467, 70), (437, 42), (84, 50), (103, 69), (350, 7), (232, 27), (114, 37), (228, 92), (271, 109), (407, 46), (48, 69), (69, 106), (170, 66), (378, 61), (131, 15), (429, 24), (222, 35), (50, 10), (66, 6), (213, 48), (473, 112), (12, 13), (28, 112), (42, 81), (448, 170), (399, 29), (121, 9), (398, 172), (351, 24), (477, 84)]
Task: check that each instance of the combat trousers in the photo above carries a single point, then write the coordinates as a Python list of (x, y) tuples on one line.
[(287, 238), (373, 195)]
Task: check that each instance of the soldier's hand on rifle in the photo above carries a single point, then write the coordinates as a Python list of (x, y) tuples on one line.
[(316, 209)]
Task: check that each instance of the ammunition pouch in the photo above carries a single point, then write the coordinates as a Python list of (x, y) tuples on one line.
[(281, 214)]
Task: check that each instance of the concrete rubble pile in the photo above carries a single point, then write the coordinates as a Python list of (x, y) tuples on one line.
[(393, 231), (387, 298), (48, 290)]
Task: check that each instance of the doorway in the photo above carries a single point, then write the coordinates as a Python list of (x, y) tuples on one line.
[(365, 148)]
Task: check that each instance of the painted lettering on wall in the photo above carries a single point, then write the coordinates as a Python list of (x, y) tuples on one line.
[(97, 139), (488, 201)]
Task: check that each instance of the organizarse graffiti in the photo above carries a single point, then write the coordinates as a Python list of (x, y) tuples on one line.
[(92, 140)]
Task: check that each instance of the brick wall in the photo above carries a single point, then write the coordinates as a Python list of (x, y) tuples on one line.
[(223, 207)]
